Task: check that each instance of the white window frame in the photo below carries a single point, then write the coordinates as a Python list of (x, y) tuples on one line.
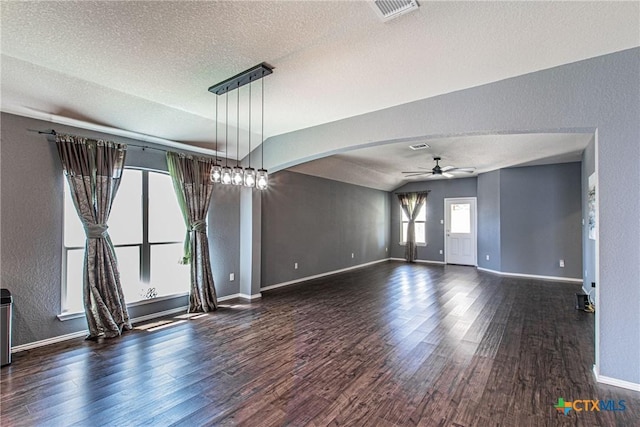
[(144, 247), (403, 222)]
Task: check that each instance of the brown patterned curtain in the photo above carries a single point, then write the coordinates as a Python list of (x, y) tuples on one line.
[(93, 170), (411, 204), (193, 189)]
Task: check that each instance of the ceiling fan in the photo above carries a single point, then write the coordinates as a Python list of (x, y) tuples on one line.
[(446, 171)]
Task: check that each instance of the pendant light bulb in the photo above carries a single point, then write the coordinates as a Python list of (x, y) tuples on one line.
[(262, 179), (216, 173)]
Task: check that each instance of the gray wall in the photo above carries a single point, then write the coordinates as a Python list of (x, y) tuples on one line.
[(595, 94), (438, 191), (489, 221), (588, 245), (31, 228), (319, 223), (540, 220)]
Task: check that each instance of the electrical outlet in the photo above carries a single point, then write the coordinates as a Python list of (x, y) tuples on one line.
[(440, 251), (386, 249), (232, 277), (353, 255), (442, 221), (562, 263), (593, 284), (295, 265), (487, 257)]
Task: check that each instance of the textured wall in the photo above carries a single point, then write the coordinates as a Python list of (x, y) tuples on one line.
[(439, 190), (31, 228), (489, 221), (319, 223), (540, 220)]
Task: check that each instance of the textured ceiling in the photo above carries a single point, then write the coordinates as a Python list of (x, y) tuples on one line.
[(381, 167), (145, 67)]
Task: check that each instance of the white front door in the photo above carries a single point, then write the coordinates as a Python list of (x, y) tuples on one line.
[(460, 231)]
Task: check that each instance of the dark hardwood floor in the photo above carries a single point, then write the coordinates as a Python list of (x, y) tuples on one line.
[(390, 345)]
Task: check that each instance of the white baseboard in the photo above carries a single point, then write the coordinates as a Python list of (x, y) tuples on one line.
[(48, 341), (421, 261), (250, 297), (316, 276), (228, 297), (614, 381), (85, 332), (532, 276)]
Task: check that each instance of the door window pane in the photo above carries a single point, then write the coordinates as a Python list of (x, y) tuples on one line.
[(460, 218), (165, 219), (125, 221), (167, 275)]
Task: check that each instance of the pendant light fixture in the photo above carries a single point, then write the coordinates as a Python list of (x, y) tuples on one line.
[(239, 176), (262, 178), (249, 173), (216, 169), (226, 170)]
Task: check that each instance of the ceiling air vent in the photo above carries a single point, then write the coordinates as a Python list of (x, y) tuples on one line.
[(420, 146), (389, 9)]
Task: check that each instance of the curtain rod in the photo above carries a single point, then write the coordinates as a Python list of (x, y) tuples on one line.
[(414, 192), (53, 132)]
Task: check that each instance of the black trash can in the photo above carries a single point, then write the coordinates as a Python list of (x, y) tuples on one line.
[(6, 309)]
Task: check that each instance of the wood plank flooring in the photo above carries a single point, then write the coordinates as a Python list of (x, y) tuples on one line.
[(388, 345)]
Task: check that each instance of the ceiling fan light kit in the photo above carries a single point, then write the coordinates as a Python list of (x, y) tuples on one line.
[(437, 170)]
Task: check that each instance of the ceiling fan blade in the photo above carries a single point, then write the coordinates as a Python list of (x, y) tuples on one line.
[(414, 172), (447, 175), (447, 168), (465, 170)]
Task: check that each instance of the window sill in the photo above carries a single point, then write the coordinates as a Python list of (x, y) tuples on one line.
[(78, 314), (417, 244)]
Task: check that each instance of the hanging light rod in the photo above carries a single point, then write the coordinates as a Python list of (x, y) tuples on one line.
[(245, 77)]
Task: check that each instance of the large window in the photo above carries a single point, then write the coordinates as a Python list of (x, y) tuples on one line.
[(420, 226), (147, 231)]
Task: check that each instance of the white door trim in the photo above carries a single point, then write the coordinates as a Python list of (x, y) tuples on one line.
[(474, 200)]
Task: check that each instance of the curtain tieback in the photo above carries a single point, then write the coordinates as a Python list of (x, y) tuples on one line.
[(95, 231), (199, 226)]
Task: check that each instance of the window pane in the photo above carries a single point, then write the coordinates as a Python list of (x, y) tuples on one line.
[(75, 267), (422, 215), (405, 226), (73, 231), (420, 232), (125, 221), (460, 218), (165, 219), (129, 267), (167, 276), (404, 215)]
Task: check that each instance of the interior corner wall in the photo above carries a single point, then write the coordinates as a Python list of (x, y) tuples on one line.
[(489, 221), (318, 223), (540, 220), (588, 245), (31, 228), (438, 191)]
